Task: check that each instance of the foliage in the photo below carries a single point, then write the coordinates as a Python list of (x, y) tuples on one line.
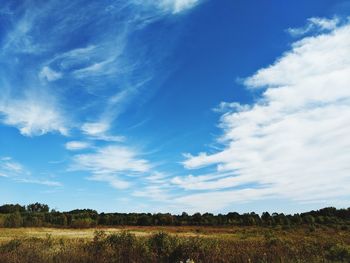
[(39, 215), (339, 253), (163, 247)]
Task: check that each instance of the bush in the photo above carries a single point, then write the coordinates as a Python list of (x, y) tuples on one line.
[(162, 245), (340, 253)]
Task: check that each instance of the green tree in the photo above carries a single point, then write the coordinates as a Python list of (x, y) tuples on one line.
[(14, 220), (37, 207)]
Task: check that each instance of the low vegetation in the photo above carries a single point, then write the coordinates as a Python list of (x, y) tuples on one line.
[(36, 234), (275, 246)]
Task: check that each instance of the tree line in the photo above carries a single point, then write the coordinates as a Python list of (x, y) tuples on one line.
[(38, 215)]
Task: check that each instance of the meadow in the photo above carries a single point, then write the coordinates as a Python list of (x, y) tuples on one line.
[(175, 244), (36, 234)]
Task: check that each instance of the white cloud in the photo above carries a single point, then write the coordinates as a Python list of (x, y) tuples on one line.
[(99, 131), (77, 145), (104, 66), (219, 200), (112, 159), (167, 6), (157, 178), (315, 24), (112, 180), (95, 128), (311, 58), (9, 167), (14, 170), (230, 106), (294, 142), (206, 182), (18, 39), (156, 187), (177, 6), (110, 164), (48, 74), (153, 192), (97, 69), (32, 116), (41, 182)]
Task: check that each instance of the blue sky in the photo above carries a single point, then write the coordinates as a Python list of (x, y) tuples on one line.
[(175, 105)]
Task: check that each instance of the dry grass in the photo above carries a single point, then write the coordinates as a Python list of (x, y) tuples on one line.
[(172, 244), (239, 233), (19, 233)]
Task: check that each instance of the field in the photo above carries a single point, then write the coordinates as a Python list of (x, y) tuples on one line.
[(175, 244)]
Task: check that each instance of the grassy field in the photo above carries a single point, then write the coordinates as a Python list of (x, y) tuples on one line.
[(7, 234), (175, 244), (251, 233)]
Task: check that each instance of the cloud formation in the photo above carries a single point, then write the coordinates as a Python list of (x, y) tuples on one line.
[(50, 75), (50, 46), (294, 141), (15, 171), (111, 164), (178, 6), (77, 145), (8, 167), (33, 116), (315, 24)]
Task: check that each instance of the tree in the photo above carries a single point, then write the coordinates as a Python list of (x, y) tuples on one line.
[(13, 220), (37, 207), (309, 219), (8, 208)]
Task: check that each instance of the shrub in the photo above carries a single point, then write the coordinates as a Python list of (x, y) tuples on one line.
[(338, 253)]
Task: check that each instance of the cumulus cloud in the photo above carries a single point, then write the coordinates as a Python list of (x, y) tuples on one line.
[(294, 141), (110, 164), (315, 24), (33, 116)]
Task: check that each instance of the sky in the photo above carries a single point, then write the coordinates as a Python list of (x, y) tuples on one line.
[(175, 105)]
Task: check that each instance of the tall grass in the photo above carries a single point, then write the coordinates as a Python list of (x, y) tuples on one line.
[(125, 247)]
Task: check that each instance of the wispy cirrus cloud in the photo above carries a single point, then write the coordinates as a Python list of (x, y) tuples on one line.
[(51, 55), (49, 75), (15, 171), (293, 142), (97, 69), (177, 6), (112, 164), (155, 186), (100, 131), (40, 182), (9, 167)]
